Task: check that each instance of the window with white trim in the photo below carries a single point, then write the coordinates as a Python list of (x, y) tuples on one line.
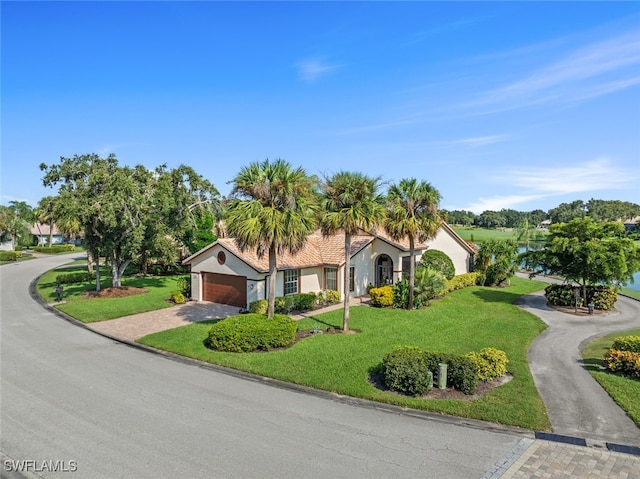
[(290, 281), (331, 278)]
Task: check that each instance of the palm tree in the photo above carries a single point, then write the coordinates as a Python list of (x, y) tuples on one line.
[(273, 209), (412, 212), (350, 202), (45, 215)]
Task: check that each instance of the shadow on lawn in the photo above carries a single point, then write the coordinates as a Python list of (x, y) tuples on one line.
[(497, 295)]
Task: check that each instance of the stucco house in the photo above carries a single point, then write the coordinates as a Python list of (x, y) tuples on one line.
[(223, 274), (43, 231)]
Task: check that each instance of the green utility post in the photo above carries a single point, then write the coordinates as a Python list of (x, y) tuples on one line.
[(442, 375)]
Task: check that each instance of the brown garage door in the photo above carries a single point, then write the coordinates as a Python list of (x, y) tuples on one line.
[(225, 289)]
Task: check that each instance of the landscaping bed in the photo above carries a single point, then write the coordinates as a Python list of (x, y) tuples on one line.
[(463, 321)]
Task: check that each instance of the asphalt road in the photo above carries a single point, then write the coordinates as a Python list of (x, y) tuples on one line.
[(76, 401)]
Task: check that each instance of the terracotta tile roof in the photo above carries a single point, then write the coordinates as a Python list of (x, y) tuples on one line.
[(318, 251), (321, 250), (44, 229)]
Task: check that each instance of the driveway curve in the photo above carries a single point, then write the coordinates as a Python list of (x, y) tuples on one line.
[(577, 405)]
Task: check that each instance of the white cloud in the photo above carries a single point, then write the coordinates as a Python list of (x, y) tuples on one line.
[(597, 174), (312, 69), (596, 69), (537, 183), (499, 202), (482, 140)]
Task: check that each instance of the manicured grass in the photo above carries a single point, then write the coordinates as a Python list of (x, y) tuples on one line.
[(624, 391), (99, 309), (630, 292), (466, 320), (479, 235)]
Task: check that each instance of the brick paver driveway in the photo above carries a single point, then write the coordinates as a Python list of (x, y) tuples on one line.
[(130, 328)]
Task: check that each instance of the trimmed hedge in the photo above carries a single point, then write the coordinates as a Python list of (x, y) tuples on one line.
[(624, 356), (462, 281), (462, 373), (9, 255), (328, 296), (404, 370), (625, 362), (250, 332), (602, 297), (77, 277), (54, 249), (627, 343), (490, 362), (381, 297)]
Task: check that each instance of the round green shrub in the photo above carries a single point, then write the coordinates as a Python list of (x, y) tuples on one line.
[(561, 295), (627, 343), (177, 297), (602, 297), (250, 332), (259, 306), (462, 373), (304, 301), (490, 362), (438, 261), (405, 371)]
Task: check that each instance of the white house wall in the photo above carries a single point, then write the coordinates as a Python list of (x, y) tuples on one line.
[(311, 280), (364, 270), (208, 263), (447, 244)]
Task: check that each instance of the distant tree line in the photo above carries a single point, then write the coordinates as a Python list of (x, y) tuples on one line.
[(598, 210)]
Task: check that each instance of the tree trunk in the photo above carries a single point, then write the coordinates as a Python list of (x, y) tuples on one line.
[(273, 271), (412, 271), (117, 269), (90, 262), (50, 233), (97, 271), (144, 263), (345, 280)]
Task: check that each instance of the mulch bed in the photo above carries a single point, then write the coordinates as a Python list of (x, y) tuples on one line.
[(115, 292), (582, 311), (449, 393)]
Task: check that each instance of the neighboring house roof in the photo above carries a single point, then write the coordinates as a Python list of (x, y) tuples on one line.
[(632, 221), (43, 229), (320, 250)]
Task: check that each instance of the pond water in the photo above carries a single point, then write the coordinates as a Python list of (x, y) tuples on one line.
[(636, 277), (636, 282)]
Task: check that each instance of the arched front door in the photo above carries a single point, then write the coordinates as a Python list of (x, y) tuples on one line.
[(384, 270)]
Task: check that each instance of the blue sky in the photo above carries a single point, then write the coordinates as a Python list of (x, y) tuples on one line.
[(497, 104)]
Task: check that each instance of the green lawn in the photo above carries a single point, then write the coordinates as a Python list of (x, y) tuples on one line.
[(99, 309), (464, 321), (631, 292), (478, 235), (624, 391)]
